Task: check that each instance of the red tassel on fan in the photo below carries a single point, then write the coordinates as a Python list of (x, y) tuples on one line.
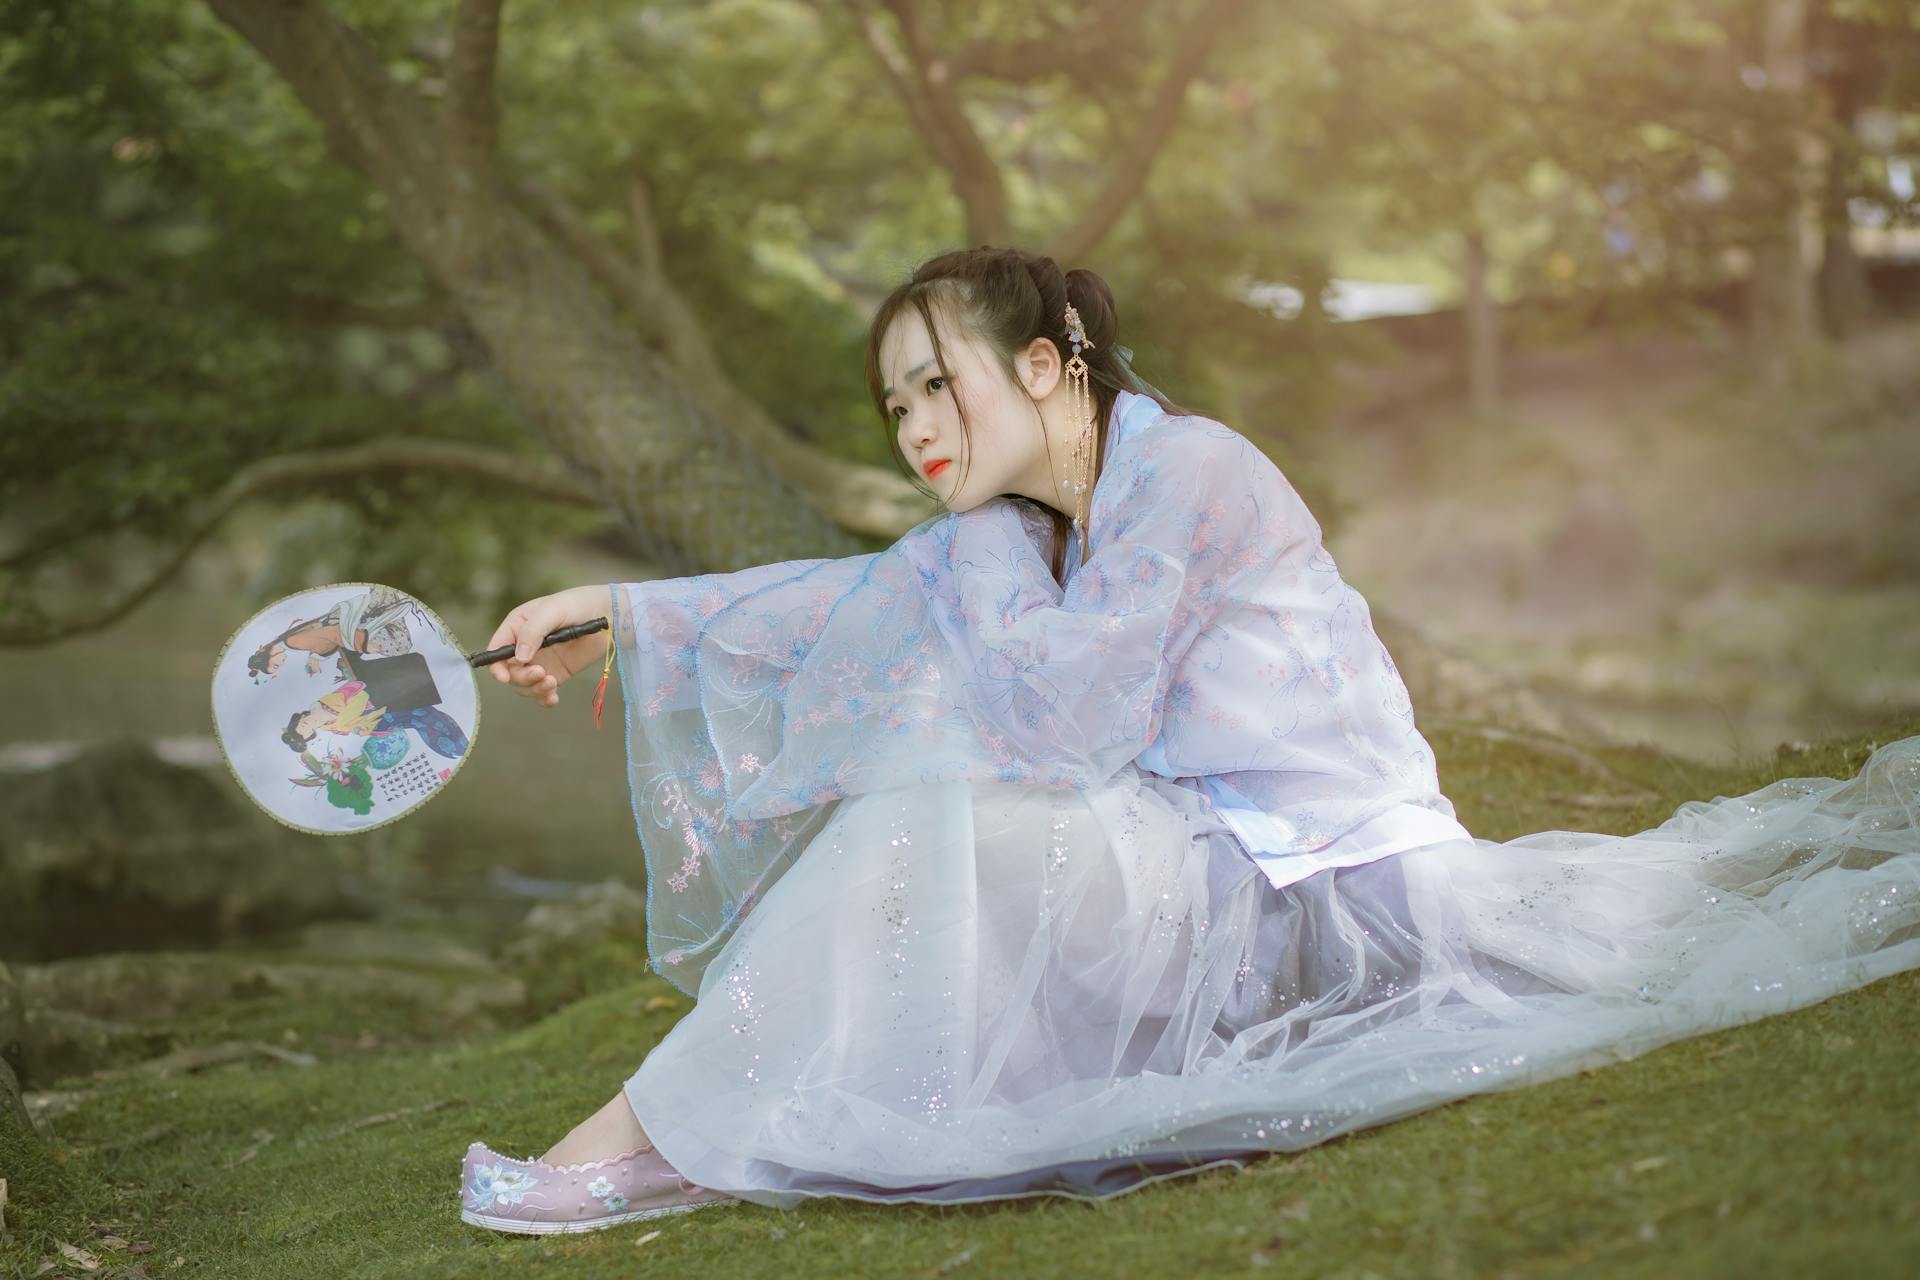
[(600, 690)]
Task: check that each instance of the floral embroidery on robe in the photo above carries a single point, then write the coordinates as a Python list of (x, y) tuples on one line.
[(1208, 636)]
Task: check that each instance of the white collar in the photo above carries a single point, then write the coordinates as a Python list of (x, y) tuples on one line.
[(1131, 412)]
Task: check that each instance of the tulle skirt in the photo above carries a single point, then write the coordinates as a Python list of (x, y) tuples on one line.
[(969, 992)]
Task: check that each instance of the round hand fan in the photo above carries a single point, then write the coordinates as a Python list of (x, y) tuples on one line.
[(344, 707)]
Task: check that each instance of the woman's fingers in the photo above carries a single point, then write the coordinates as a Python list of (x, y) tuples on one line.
[(534, 681), (526, 625), (508, 632), (524, 628)]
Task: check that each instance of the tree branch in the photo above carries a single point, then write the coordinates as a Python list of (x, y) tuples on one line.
[(1130, 170), (472, 111), (377, 127), (925, 83), (647, 310), (900, 73), (859, 498), (646, 229), (1080, 52), (1528, 101), (487, 466), (323, 311), (627, 418)]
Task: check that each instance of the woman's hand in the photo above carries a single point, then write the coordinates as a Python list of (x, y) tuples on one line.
[(538, 673)]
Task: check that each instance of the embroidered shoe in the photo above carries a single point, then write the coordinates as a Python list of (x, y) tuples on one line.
[(531, 1197)]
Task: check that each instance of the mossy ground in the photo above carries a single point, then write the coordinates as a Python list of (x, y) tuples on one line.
[(1785, 1147)]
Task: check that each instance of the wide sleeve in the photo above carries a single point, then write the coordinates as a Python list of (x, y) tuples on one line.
[(760, 701), (704, 870), (956, 657)]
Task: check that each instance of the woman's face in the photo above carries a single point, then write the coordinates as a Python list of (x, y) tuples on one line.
[(1006, 447)]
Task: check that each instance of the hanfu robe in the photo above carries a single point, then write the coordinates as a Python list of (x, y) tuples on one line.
[(990, 884), (1208, 637)]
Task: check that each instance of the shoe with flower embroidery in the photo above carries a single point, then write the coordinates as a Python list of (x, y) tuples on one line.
[(532, 1197)]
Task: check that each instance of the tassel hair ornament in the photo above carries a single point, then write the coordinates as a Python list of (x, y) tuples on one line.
[(1080, 405)]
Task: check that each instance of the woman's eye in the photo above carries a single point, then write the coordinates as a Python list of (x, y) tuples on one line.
[(933, 385)]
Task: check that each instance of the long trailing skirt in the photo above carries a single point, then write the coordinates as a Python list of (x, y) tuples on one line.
[(967, 992)]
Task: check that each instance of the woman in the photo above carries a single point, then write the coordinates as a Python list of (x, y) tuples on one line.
[(1084, 836)]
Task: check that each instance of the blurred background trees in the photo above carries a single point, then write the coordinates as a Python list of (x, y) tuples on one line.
[(483, 300), (608, 264)]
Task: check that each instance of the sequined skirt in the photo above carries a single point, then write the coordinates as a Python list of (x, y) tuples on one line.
[(971, 992)]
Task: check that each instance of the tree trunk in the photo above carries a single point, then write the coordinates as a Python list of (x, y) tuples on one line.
[(1782, 309), (1846, 298), (693, 495), (1482, 318)]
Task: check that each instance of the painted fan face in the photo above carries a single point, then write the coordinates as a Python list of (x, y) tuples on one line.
[(344, 707)]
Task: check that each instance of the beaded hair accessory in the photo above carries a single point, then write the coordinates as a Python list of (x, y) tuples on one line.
[(1080, 405)]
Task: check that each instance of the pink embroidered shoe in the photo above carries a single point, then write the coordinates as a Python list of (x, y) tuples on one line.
[(531, 1197)]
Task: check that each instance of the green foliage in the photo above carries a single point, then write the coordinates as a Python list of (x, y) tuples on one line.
[(190, 281), (188, 284)]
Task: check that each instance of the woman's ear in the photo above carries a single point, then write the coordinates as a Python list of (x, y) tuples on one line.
[(1040, 368)]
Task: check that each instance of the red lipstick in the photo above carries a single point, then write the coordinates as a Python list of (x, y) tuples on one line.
[(935, 468)]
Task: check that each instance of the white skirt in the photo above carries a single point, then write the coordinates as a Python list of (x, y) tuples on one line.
[(970, 992)]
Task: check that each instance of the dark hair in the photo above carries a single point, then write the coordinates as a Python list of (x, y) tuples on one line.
[(292, 735), (1007, 298), (257, 660)]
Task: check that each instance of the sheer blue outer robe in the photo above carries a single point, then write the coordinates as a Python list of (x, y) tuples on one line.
[(1209, 637), (988, 886)]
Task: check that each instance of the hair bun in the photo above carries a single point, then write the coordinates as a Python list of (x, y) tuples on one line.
[(1045, 274)]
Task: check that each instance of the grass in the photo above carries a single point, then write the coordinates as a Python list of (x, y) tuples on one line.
[(1782, 1147)]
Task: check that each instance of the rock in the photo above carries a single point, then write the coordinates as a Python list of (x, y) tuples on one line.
[(59, 1043), (476, 1002), (13, 1016), (163, 985), (115, 848), (361, 940), (592, 941), (1448, 684), (610, 908), (90, 1013), (13, 1109), (153, 985)]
